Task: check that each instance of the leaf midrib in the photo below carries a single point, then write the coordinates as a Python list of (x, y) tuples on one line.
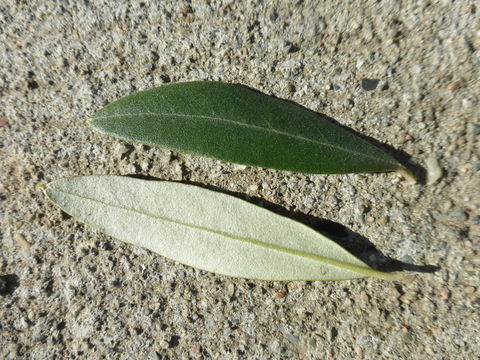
[(336, 263), (275, 131)]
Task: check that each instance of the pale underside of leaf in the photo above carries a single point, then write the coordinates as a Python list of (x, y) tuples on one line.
[(206, 229), (235, 124)]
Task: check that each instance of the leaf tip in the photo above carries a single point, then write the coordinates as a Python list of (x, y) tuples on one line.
[(44, 188), (389, 276)]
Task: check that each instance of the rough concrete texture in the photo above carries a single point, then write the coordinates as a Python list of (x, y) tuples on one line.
[(68, 292)]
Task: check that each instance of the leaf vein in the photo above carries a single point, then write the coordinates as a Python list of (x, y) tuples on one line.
[(325, 260), (269, 129)]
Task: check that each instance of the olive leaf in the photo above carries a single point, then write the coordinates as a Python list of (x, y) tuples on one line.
[(206, 229), (235, 124)]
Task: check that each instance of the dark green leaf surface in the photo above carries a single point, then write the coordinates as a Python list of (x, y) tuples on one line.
[(235, 124), (206, 229)]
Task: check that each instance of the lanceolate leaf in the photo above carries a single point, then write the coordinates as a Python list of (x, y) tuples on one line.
[(206, 229), (235, 124)]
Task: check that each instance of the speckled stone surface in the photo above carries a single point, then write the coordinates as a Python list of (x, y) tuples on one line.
[(402, 72)]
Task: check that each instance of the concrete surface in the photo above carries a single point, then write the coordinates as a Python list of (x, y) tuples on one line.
[(67, 292)]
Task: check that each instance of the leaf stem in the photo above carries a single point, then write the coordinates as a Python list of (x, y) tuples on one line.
[(408, 175)]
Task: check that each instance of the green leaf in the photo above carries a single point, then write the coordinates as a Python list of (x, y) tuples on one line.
[(206, 229), (235, 124)]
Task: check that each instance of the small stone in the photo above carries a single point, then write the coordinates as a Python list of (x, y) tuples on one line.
[(333, 333), (3, 121), (21, 241), (469, 289), (239, 167), (303, 182), (349, 103), (197, 349), (461, 141), (187, 9), (46, 221), (145, 165), (292, 48), (164, 344), (434, 171), (131, 168), (446, 205), (383, 221), (434, 331), (290, 88), (408, 278), (404, 137), (178, 168), (280, 295), (475, 128), (292, 286), (252, 187), (445, 294), (273, 16), (404, 329), (453, 86), (293, 339), (394, 293), (451, 147), (122, 148), (465, 168), (230, 289), (369, 84), (459, 215), (364, 297)]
